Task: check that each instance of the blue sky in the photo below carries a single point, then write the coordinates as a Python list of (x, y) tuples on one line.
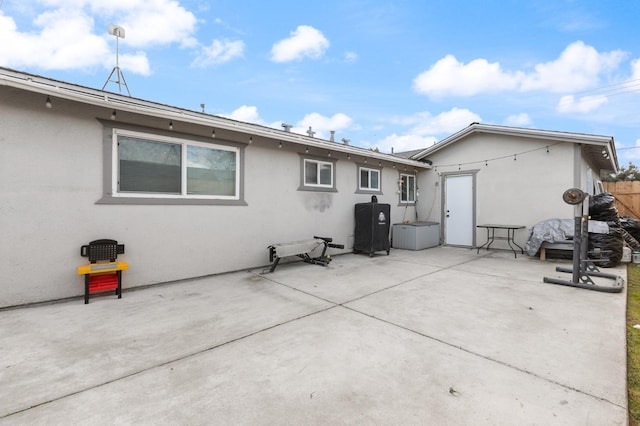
[(383, 74)]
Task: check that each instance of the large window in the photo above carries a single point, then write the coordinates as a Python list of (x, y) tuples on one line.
[(151, 166), (317, 175), (368, 179), (407, 188)]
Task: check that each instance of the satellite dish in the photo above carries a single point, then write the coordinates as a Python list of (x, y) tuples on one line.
[(116, 30), (574, 196)]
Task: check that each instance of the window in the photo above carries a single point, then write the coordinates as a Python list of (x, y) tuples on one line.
[(407, 188), (317, 175), (369, 179), (151, 166)]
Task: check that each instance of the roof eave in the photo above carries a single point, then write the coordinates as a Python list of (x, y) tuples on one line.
[(54, 88), (557, 136)]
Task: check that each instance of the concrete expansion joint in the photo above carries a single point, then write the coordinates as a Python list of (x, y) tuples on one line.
[(165, 363), (450, 267), (296, 289), (497, 361)]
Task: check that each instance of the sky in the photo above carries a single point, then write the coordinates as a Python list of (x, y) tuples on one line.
[(389, 75)]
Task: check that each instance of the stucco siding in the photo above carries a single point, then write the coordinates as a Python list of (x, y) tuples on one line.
[(52, 179), (521, 191)]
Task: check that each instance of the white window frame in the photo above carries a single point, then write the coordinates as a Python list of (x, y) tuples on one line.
[(184, 143), (407, 176), (369, 170), (319, 164)]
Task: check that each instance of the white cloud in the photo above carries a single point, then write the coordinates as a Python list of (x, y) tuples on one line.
[(583, 104), (157, 22), (401, 143), (245, 113), (579, 67), (322, 125), (635, 69), (445, 122), (137, 63), (219, 52), (518, 120), (146, 22), (65, 34), (305, 41), (450, 77), (64, 41), (425, 127)]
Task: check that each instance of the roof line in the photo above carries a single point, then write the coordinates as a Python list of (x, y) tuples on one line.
[(74, 92), (516, 131)]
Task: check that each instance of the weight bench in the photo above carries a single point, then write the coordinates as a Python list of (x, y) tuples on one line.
[(103, 276), (302, 249)]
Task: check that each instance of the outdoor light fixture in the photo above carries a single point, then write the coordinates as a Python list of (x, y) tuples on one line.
[(213, 133), (250, 139), (170, 124), (280, 144), (394, 165), (306, 150), (113, 115), (48, 103), (380, 163), (329, 154), (365, 161), (348, 156)]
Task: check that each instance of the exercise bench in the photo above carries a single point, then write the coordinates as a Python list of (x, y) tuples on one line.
[(302, 249), (101, 276)]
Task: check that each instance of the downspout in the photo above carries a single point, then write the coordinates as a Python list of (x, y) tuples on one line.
[(577, 178), (577, 166), (415, 205)]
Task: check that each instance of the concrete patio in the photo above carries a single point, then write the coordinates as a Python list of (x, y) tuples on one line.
[(440, 336)]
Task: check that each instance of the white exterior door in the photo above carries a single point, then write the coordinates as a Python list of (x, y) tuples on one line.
[(458, 210)]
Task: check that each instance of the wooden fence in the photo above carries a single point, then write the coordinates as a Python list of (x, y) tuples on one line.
[(627, 195)]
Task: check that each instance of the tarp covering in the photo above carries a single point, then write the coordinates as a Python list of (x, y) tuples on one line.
[(558, 231), (551, 230)]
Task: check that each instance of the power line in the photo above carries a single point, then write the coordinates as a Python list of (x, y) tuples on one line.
[(615, 89), (613, 86)]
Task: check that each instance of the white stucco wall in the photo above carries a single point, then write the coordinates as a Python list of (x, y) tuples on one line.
[(523, 191), (51, 176)]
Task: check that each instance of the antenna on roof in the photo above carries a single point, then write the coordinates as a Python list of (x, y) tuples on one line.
[(118, 32)]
